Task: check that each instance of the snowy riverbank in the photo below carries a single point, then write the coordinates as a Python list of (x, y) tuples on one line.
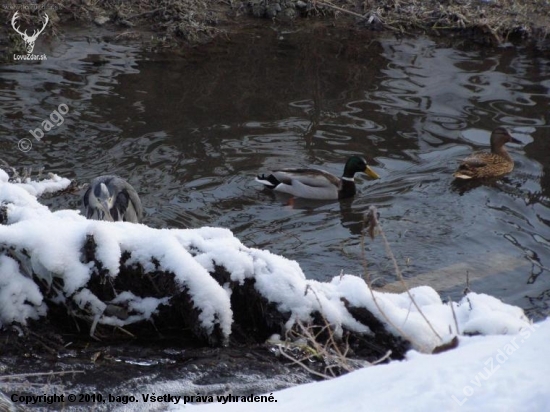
[(215, 283), (485, 373)]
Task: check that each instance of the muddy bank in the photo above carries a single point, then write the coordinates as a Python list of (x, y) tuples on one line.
[(171, 25), (135, 369)]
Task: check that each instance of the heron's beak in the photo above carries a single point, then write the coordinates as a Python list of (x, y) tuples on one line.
[(371, 173), (105, 208)]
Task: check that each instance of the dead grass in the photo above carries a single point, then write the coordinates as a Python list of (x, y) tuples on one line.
[(373, 228), (196, 21), (315, 348), (495, 20), (325, 358), (171, 21)]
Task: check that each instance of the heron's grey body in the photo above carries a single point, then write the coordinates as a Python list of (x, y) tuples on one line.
[(113, 199)]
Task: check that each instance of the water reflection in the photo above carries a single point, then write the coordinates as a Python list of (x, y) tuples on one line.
[(191, 133)]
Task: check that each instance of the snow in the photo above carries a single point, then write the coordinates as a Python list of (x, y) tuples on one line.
[(49, 244), (475, 313), (505, 367), (20, 298), (485, 373), (55, 241)]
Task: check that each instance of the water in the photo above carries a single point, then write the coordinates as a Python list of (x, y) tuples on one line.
[(190, 133)]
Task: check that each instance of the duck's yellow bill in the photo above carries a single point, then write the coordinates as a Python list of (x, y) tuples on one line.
[(371, 173)]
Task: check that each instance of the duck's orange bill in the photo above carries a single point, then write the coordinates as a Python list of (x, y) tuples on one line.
[(371, 173)]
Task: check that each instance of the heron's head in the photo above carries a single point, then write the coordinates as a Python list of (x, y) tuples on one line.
[(105, 199)]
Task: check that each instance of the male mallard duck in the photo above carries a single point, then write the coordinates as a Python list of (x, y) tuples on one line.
[(484, 164), (317, 184)]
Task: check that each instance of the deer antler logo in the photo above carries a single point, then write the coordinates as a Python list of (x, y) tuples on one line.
[(29, 40)]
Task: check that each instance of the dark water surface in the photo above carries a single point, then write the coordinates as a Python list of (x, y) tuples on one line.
[(191, 132)]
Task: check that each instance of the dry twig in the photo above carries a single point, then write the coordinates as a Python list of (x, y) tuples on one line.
[(373, 220)]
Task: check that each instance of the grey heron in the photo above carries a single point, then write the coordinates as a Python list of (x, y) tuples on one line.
[(113, 199)]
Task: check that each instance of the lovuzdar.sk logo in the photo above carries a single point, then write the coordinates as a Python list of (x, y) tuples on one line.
[(29, 40)]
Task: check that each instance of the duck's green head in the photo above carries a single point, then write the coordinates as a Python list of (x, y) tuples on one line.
[(357, 164)]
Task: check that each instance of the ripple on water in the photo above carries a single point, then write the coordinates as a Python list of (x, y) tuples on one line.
[(191, 138)]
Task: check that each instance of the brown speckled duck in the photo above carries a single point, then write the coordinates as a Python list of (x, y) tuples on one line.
[(481, 165)]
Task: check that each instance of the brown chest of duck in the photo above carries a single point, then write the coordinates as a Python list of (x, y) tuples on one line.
[(497, 162), (317, 184)]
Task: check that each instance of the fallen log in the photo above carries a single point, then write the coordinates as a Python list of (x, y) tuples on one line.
[(204, 285)]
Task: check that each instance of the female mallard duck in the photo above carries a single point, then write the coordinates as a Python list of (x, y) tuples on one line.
[(484, 164), (317, 184)]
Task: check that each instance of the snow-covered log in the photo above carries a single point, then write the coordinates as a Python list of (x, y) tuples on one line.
[(202, 284)]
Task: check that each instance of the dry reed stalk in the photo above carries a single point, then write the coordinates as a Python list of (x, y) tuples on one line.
[(373, 227)]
